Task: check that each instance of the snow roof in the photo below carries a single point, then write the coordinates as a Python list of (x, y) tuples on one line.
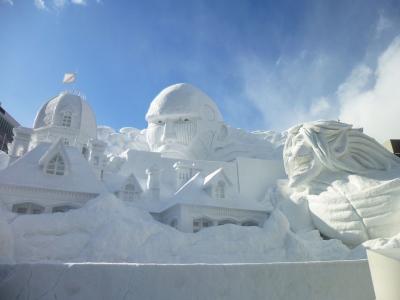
[(27, 171), (183, 99), (215, 176), (115, 182), (193, 193)]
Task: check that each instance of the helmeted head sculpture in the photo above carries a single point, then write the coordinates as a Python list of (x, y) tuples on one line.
[(313, 147), (182, 122)]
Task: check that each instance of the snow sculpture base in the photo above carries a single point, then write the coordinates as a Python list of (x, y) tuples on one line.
[(385, 273), (314, 280)]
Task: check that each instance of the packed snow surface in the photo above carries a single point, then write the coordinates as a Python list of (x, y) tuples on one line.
[(107, 229)]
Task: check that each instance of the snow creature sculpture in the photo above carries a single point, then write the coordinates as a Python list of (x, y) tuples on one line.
[(184, 123), (350, 181)]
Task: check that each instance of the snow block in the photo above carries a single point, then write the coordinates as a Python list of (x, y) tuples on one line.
[(312, 280)]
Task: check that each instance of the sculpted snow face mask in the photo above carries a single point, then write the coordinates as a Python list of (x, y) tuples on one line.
[(181, 122)]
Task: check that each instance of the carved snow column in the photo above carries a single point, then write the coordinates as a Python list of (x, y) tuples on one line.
[(20, 143), (184, 171), (153, 182), (96, 156)]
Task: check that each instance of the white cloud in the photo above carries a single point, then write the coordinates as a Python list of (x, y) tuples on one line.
[(383, 24), (10, 2), (376, 108), (79, 2), (320, 107), (40, 4), (57, 4), (286, 91)]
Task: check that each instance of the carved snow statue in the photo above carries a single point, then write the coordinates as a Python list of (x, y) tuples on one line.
[(350, 181), (184, 123)]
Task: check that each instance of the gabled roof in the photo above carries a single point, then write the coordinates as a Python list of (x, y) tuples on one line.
[(116, 181), (133, 180), (193, 193), (56, 147), (27, 171), (216, 176)]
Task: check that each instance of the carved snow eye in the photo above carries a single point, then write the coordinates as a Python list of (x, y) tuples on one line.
[(186, 120), (160, 122)]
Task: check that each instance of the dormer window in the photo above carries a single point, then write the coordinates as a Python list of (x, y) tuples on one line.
[(129, 192), (220, 190), (67, 119), (56, 165)]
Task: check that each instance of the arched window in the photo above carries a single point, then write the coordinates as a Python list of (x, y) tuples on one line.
[(56, 165), (220, 190), (27, 208), (129, 192), (67, 119)]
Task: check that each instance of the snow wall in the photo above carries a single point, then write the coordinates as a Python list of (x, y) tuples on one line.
[(313, 280)]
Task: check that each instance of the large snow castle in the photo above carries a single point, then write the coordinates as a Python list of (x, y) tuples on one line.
[(189, 169)]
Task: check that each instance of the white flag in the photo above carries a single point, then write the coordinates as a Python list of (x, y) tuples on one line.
[(69, 77)]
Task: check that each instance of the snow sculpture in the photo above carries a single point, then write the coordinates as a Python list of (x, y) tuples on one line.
[(153, 182), (67, 115), (184, 123), (349, 180)]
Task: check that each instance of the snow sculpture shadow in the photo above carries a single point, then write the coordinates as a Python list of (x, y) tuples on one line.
[(350, 181)]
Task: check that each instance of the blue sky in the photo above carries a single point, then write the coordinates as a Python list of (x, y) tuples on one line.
[(267, 64)]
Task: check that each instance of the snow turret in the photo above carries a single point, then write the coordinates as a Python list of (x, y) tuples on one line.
[(97, 157), (153, 182), (68, 116), (20, 143)]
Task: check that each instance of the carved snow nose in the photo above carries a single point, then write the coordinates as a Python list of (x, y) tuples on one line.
[(169, 134)]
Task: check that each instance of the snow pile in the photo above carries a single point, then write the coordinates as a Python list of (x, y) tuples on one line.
[(109, 230), (277, 139), (4, 158), (126, 138)]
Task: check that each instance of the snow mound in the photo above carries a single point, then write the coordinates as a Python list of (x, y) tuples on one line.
[(118, 142), (4, 158), (107, 229)]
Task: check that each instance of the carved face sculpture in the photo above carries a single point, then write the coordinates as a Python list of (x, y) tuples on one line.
[(301, 163), (182, 122), (343, 174)]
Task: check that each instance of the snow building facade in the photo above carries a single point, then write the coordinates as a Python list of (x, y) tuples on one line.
[(56, 165), (194, 171)]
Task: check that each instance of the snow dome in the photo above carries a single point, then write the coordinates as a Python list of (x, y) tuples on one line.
[(70, 111), (183, 99)]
